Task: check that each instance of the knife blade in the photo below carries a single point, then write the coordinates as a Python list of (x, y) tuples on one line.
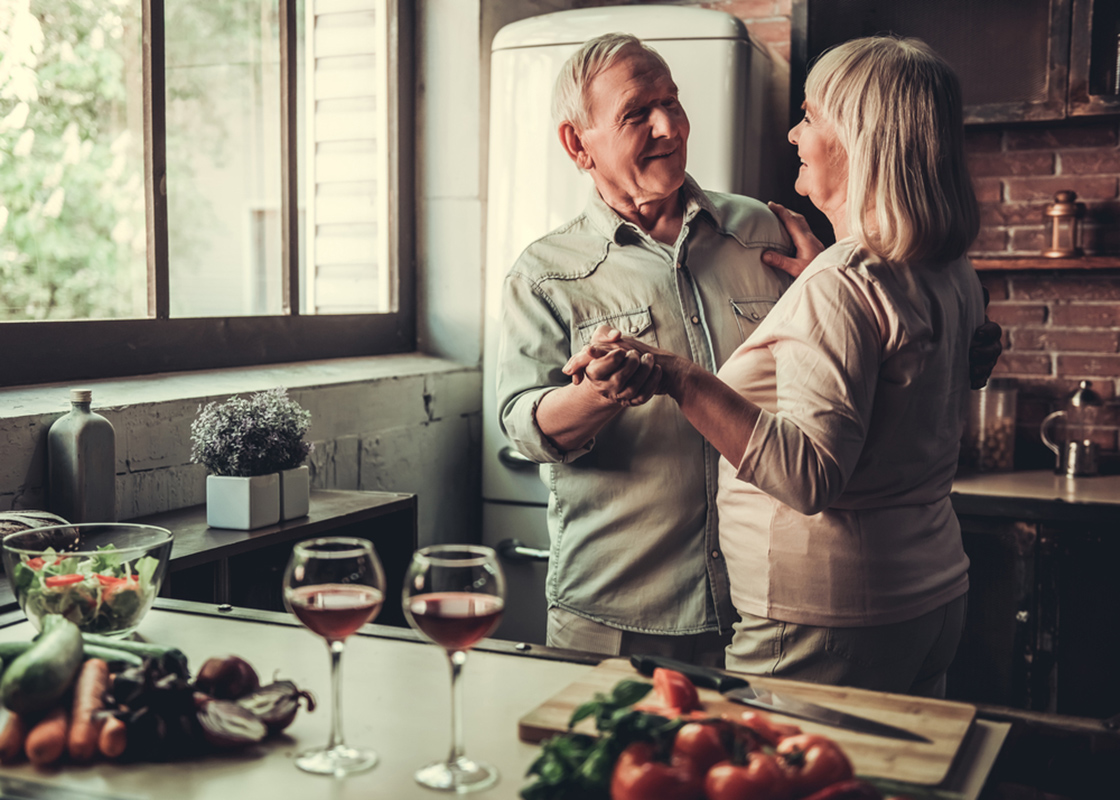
[(740, 690)]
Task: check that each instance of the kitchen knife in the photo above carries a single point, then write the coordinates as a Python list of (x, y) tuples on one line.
[(739, 689)]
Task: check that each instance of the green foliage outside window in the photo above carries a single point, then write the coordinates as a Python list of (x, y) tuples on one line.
[(72, 236)]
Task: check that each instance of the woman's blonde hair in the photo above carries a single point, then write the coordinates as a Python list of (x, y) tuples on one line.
[(895, 106), (569, 95)]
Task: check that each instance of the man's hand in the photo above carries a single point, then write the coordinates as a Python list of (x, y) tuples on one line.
[(621, 374), (806, 245), (983, 353)]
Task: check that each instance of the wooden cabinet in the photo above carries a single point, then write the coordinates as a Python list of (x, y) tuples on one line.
[(244, 568), (1044, 605), (1017, 60)]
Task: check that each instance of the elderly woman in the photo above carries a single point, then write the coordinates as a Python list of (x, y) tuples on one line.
[(839, 419)]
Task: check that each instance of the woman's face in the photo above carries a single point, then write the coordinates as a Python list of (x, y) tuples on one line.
[(823, 176)]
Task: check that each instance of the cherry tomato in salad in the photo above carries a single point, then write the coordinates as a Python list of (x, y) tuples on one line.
[(110, 580), (55, 581), (639, 776), (36, 563), (759, 778), (811, 762)]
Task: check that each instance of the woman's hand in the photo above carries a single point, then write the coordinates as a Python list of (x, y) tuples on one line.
[(624, 370), (806, 245)]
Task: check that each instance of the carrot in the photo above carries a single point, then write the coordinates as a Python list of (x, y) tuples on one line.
[(12, 738), (113, 739), (89, 693), (46, 742)]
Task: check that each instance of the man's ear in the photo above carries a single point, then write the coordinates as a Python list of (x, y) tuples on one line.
[(572, 142)]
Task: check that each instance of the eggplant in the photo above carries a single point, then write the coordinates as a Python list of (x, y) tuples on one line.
[(276, 704)]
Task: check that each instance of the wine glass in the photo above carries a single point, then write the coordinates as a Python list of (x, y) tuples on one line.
[(454, 595), (334, 585)]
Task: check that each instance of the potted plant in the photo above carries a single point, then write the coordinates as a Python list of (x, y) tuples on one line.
[(254, 450)]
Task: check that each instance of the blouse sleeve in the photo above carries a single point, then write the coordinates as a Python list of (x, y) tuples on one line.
[(828, 344)]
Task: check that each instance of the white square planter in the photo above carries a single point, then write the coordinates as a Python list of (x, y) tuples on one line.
[(242, 504), (295, 493)]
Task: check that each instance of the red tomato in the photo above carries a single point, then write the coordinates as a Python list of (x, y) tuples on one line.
[(638, 776), (55, 581), (760, 778), (699, 745), (675, 689), (767, 729), (811, 762), (109, 580), (36, 563)]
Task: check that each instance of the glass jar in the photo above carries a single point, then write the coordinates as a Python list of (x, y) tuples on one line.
[(989, 438)]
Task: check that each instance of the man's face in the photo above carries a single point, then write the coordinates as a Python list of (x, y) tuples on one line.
[(637, 141)]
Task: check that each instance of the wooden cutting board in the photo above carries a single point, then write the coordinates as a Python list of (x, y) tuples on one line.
[(943, 722)]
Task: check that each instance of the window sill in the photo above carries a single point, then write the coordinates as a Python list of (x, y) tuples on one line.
[(204, 385)]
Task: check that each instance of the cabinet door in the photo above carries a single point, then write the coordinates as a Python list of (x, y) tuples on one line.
[(1012, 56), (1094, 58)]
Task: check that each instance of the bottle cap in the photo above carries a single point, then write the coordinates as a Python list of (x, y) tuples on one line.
[(80, 395)]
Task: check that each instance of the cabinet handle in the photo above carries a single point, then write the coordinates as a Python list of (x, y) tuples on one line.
[(515, 460), (514, 551)]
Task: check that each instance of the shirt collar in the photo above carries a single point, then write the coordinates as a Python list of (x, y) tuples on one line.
[(607, 221)]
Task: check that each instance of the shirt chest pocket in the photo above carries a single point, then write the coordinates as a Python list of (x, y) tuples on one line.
[(749, 312), (634, 324)]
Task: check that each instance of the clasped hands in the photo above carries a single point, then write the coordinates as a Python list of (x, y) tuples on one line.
[(624, 371)]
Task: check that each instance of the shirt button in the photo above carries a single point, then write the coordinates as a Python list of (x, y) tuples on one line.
[(715, 554), (695, 320), (633, 329)]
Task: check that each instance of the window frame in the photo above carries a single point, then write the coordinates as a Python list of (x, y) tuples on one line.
[(45, 351)]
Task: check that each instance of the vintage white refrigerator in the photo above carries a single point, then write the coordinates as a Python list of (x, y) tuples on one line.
[(735, 94)]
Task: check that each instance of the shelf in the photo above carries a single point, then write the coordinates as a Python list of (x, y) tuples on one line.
[(1038, 262)]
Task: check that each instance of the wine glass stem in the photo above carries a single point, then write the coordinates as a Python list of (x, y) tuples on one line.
[(336, 648), (456, 658)]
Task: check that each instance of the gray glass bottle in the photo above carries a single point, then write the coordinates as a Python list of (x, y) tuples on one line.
[(82, 463)]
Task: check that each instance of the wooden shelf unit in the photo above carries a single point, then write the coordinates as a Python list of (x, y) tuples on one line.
[(1040, 263)]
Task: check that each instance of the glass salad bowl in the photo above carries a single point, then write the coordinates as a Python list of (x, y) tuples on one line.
[(102, 576)]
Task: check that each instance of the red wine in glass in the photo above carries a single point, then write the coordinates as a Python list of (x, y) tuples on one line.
[(456, 620), (454, 595), (334, 585), (335, 610)]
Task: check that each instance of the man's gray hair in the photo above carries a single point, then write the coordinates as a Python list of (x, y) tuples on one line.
[(569, 96)]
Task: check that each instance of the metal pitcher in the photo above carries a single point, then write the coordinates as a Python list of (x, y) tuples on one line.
[(1075, 458)]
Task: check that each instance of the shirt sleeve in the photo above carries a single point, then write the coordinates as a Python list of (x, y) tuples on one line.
[(828, 345), (534, 344)]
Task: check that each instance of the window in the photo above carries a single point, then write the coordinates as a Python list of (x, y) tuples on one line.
[(229, 194)]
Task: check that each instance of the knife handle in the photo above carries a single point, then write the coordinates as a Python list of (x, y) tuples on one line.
[(704, 677)]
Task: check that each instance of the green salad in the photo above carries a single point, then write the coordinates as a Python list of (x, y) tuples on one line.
[(100, 593)]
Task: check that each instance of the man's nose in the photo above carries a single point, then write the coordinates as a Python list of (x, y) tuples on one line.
[(665, 122)]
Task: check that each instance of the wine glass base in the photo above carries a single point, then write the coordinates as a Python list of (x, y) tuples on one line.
[(338, 761), (460, 776)]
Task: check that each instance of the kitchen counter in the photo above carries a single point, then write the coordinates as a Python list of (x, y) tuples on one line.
[(1038, 494), (396, 700)]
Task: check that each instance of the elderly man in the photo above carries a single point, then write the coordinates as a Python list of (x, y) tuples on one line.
[(635, 562)]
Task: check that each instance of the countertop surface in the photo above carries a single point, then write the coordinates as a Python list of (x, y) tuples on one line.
[(395, 700), (1042, 485), (1039, 495)]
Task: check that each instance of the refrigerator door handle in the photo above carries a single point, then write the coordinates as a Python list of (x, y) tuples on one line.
[(514, 460), (514, 551)]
